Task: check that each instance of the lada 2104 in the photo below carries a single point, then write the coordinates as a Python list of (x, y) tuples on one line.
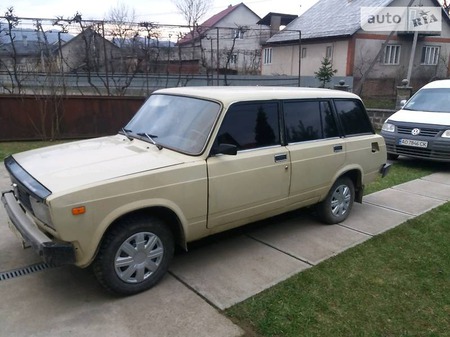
[(192, 162)]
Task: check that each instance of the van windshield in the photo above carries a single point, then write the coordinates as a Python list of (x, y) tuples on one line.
[(176, 122), (433, 100)]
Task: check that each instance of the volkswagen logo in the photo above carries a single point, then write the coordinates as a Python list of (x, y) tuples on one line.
[(415, 131)]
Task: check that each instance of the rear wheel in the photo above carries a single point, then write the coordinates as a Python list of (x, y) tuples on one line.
[(338, 203), (134, 255)]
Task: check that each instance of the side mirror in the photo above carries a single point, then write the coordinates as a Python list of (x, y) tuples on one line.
[(402, 103), (228, 149)]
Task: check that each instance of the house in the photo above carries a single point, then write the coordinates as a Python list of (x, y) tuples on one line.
[(29, 50), (90, 52), (377, 61), (228, 42)]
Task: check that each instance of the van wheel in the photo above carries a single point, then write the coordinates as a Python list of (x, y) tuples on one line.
[(338, 203), (134, 255)]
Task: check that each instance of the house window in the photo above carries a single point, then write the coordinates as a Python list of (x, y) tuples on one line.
[(267, 55), (392, 54), (238, 34), (233, 59), (303, 53), (430, 55), (329, 53)]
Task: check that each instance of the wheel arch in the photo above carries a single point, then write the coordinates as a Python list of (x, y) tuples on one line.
[(166, 214), (355, 175)]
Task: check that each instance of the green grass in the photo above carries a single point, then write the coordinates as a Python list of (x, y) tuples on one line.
[(404, 170), (396, 284)]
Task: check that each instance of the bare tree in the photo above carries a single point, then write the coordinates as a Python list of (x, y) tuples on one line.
[(193, 10), (121, 26), (13, 21)]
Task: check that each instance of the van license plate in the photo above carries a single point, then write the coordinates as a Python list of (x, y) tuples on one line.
[(415, 143)]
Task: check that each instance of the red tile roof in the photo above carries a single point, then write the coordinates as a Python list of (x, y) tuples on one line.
[(208, 24)]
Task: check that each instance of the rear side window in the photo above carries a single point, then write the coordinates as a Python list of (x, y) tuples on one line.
[(353, 117), (309, 120), (250, 125)]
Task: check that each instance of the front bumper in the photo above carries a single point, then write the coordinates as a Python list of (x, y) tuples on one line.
[(52, 252)]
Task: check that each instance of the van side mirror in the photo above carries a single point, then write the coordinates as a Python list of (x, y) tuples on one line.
[(402, 103), (227, 149)]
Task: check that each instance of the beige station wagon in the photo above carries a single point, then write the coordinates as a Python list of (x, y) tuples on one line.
[(192, 162)]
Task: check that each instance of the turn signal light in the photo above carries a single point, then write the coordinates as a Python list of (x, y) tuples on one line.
[(78, 210)]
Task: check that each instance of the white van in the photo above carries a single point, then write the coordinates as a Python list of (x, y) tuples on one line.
[(421, 129)]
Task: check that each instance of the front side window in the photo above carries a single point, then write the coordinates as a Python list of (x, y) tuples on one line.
[(392, 55), (176, 122), (430, 55), (353, 117), (250, 125), (309, 120)]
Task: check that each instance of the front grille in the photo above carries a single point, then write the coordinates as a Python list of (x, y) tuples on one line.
[(24, 198), (436, 153), (423, 132)]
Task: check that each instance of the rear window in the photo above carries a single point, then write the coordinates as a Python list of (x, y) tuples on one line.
[(353, 117), (309, 120)]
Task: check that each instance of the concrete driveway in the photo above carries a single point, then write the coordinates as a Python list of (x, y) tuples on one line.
[(215, 274)]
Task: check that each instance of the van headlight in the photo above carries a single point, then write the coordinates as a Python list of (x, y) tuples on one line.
[(446, 134), (41, 211), (388, 127)]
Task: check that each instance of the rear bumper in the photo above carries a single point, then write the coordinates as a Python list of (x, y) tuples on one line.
[(52, 252)]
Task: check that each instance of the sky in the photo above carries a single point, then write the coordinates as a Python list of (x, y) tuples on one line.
[(157, 11)]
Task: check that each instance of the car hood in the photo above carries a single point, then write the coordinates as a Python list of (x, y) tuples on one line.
[(75, 164), (423, 117)]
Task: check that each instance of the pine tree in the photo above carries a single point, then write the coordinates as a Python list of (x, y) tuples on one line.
[(326, 72)]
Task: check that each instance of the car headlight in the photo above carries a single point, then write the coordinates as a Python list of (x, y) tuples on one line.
[(388, 127), (41, 211), (446, 134)]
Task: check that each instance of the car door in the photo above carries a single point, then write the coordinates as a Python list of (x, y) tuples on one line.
[(363, 145), (317, 151), (254, 183)]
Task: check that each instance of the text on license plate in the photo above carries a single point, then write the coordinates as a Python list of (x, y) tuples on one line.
[(412, 142)]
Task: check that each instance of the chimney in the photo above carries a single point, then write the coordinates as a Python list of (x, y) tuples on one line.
[(275, 23)]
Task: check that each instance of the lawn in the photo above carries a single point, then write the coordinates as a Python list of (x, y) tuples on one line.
[(397, 284)]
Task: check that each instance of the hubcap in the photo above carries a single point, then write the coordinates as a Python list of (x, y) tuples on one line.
[(138, 257), (340, 200)]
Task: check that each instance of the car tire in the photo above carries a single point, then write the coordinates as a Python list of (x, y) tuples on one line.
[(392, 156), (134, 255), (338, 203)]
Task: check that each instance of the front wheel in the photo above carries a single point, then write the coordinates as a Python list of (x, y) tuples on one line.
[(134, 255), (338, 203)]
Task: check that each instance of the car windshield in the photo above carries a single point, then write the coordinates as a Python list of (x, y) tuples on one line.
[(434, 100), (176, 122)]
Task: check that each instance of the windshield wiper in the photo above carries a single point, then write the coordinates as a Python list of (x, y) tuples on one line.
[(150, 137), (126, 132)]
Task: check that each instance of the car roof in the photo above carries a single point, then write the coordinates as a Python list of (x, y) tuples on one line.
[(228, 95), (437, 84)]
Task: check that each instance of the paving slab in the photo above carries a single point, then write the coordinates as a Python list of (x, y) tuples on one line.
[(309, 240), (68, 302), (234, 269), (439, 177), (402, 201), (426, 188), (373, 220)]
